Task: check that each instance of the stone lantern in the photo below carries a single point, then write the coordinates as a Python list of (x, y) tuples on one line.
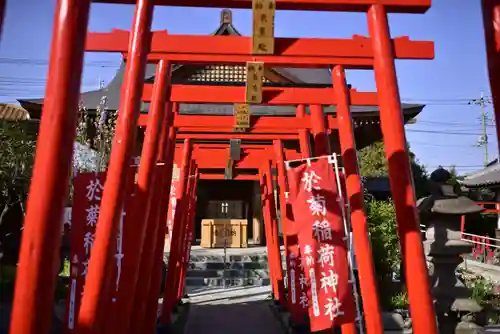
[(441, 213)]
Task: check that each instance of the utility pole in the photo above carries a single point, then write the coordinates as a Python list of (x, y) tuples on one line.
[(101, 83), (483, 139)]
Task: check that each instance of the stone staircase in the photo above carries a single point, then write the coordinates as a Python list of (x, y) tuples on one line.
[(244, 267)]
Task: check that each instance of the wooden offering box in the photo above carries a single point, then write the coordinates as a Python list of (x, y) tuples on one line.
[(216, 232)]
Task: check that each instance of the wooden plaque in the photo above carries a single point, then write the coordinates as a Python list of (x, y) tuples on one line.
[(241, 116), (255, 78), (263, 26), (228, 171)]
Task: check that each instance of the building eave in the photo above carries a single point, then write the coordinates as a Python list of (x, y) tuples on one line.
[(488, 177)]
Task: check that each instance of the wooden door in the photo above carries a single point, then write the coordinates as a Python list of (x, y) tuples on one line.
[(226, 209), (236, 210)]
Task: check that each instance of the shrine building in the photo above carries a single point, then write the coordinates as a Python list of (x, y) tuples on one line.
[(223, 194)]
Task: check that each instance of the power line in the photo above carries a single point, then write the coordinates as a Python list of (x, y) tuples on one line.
[(458, 166), (414, 144), (45, 62), (450, 124), (458, 99), (35, 84), (444, 132), (440, 102)]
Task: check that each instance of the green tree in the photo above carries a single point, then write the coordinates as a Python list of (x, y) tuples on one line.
[(372, 162), (16, 164), (455, 178), (382, 218), (385, 245)]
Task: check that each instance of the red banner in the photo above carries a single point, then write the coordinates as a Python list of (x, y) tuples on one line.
[(188, 240), (297, 287), (174, 199), (87, 193), (320, 229), (297, 304), (127, 232)]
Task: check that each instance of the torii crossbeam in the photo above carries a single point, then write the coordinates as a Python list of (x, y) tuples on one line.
[(292, 52)]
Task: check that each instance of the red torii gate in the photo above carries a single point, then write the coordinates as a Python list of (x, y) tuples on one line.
[(266, 124), (35, 284), (259, 157), (491, 21), (211, 157)]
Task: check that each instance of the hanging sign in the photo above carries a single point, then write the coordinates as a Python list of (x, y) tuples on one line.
[(87, 195), (320, 230), (186, 217), (172, 205), (296, 281), (241, 117), (190, 218), (255, 79), (263, 26), (126, 236)]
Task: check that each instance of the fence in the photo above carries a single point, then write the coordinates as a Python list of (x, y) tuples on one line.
[(486, 249)]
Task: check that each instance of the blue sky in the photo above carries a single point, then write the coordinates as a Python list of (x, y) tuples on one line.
[(446, 131)]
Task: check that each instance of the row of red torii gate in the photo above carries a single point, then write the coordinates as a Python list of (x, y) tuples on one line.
[(126, 300)]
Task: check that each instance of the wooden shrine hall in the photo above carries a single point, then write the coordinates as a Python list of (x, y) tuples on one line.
[(229, 187)]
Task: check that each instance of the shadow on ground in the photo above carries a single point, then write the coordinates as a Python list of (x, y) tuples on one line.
[(242, 317)]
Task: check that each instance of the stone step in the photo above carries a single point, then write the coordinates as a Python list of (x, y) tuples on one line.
[(229, 265), (229, 258), (219, 282), (240, 270), (230, 273)]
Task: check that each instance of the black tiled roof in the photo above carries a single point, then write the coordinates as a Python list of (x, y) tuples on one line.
[(228, 109), (301, 77), (487, 177), (92, 99)]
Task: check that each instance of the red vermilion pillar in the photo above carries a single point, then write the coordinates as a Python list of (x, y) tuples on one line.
[(184, 222), (274, 232), (171, 285), (285, 220), (400, 176), (322, 147), (305, 145), (187, 228), (359, 224), (151, 284), (318, 129), (97, 281), (192, 216), (491, 22), (39, 254), (143, 196), (281, 177), (266, 213), (145, 269), (3, 4)]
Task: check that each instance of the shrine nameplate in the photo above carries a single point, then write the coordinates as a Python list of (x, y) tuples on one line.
[(263, 26), (255, 78), (241, 117)]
